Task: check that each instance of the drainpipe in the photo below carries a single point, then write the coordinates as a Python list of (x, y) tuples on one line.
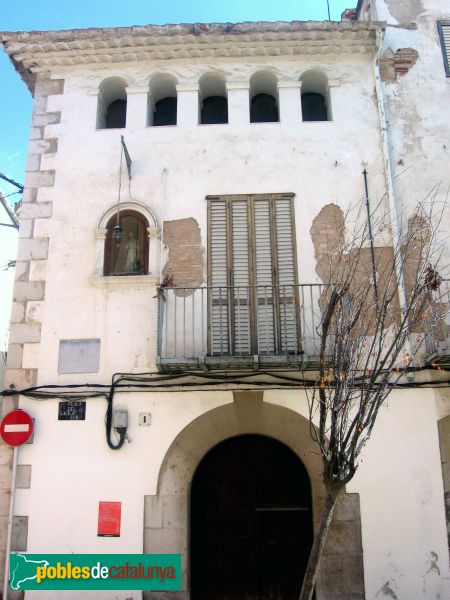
[(372, 248), (390, 188)]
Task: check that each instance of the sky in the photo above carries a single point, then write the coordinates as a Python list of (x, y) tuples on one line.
[(28, 15)]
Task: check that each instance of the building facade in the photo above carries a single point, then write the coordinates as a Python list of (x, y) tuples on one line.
[(179, 273)]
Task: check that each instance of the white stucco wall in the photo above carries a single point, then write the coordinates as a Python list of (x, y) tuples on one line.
[(399, 483), (401, 491)]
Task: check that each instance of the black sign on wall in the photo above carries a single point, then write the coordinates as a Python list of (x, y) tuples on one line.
[(72, 411)]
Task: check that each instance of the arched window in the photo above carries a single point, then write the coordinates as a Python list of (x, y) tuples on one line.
[(126, 246), (112, 104), (263, 98), (213, 100), (162, 107), (315, 97)]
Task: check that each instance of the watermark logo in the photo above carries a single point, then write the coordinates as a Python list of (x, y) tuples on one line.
[(95, 572)]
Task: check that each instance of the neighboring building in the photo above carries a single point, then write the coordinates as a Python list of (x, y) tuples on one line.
[(245, 141)]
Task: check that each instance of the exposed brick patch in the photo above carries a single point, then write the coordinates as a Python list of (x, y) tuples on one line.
[(387, 71), (333, 260), (349, 14), (404, 60), (185, 262), (327, 233), (396, 65)]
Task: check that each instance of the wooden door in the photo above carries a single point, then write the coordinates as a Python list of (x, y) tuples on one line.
[(251, 524)]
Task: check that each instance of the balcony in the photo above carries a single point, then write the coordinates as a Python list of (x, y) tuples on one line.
[(437, 343), (258, 328), (241, 327)]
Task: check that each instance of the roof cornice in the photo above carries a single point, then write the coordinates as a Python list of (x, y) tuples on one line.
[(44, 51)]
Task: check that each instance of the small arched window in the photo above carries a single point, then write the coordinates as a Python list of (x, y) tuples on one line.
[(112, 104), (213, 98), (162, 108), (126, 253), (263, 98), (315, 97)]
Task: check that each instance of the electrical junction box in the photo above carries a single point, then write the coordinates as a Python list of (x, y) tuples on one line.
[(145, 419), (120, 418)]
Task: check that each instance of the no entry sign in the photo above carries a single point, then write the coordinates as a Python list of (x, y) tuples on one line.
[(16, 428)]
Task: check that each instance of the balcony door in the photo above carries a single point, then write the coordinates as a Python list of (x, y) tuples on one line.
[(252, 274)]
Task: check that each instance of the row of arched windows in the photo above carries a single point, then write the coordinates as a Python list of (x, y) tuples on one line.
[(213, 102)]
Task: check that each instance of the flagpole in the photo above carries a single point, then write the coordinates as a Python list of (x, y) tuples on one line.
[(328, 6)]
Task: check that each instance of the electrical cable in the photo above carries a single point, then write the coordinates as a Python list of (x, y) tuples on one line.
[(130, 382)]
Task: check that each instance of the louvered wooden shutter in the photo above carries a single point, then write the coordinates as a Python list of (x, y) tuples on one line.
[(252, 251), (289, 334), (264, 273), (444, 34), (240, 293), (219, 321)]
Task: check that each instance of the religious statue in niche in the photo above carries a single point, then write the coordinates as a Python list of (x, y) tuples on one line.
[(127, 251)]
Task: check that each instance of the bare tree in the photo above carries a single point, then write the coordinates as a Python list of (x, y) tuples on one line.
[(370, 334)]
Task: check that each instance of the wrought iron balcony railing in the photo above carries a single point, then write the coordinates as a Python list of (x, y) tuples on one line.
[(437, 342), (238, 327)]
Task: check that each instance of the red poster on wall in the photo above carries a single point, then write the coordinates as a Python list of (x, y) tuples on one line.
[(109, 519)]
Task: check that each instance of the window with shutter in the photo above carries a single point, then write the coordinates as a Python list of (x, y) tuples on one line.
[(252, 274), (444, 35)]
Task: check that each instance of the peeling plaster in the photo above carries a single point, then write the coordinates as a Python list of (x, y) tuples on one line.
[(396, 65), (185, 262), (403, 11)]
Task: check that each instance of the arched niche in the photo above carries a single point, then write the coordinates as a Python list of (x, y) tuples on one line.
[(150, 244), (213, 99), (264, 97), (166, 514), (162, 100), (112, 104), (316, 105)]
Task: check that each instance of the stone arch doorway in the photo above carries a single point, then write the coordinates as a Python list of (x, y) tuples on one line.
[(251, 521), (166, 513)]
